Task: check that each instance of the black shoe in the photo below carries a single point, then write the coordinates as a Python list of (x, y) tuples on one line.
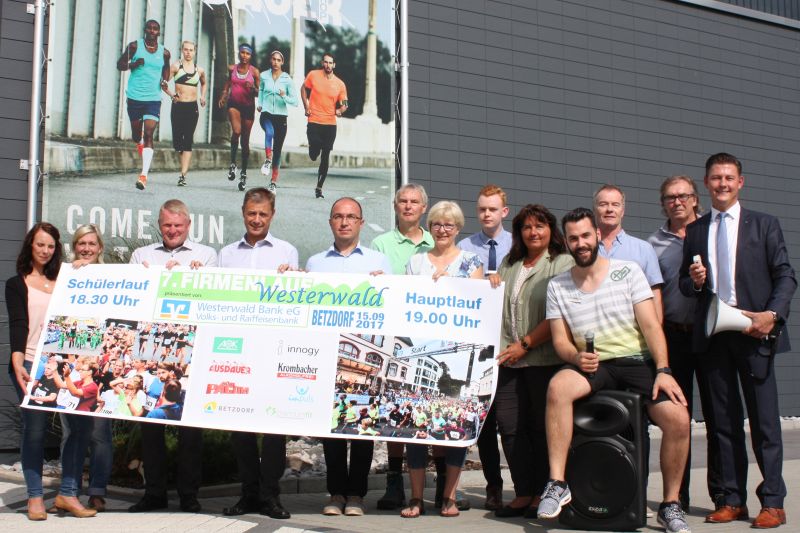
[(508, 512), (148, 503), (395, 495), (273, 509), (242, 180), (318, 193), (182, 181), (245, 505), (232, 172), (190, 504)]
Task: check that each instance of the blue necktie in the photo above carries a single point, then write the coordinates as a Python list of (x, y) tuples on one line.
[(723, 261), (492, 255)]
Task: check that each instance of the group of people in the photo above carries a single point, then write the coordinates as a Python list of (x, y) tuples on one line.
[(246, 90), (643, 304)]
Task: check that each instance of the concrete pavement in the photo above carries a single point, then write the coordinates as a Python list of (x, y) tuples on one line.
[(306, 507)]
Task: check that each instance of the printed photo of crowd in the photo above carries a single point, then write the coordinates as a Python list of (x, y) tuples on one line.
[(114, 367), (422, 389)]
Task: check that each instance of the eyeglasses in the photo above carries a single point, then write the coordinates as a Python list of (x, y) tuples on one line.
[(671, 198), (438, 226), (338, 217)]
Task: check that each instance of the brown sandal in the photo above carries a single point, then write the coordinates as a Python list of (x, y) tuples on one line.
[(448, 506), (413, 503)]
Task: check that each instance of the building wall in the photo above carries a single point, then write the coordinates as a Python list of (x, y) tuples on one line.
[(552, 98), (549, 99)]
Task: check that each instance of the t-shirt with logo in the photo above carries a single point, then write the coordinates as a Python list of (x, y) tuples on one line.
[(607, 312), (45, 387)]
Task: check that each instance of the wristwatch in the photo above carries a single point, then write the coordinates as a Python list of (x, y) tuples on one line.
[(664, 370), (774, 316), (524, 344)]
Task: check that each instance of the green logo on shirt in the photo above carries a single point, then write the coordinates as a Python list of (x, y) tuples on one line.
[(227, 345), (619, 275)]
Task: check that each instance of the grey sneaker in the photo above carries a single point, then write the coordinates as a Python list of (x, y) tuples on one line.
[(335, 506), (354, 506), (554, 498), (670, 515)]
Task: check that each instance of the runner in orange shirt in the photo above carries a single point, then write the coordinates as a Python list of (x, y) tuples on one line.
[(324, 98)]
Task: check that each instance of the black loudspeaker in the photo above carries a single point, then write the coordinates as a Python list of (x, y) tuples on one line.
[(606, 468)]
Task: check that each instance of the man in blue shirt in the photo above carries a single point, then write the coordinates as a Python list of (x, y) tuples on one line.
[(347, 486), (491, 244), (609, 209)]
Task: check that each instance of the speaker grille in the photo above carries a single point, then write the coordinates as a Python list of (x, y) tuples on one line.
[(606, 477)]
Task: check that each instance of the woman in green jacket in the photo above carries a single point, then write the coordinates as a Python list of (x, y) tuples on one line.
[(528, 360)]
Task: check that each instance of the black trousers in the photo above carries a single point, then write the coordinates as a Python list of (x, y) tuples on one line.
[(684, 365), (488, 450), (184, 117), (725, 367), (190, 460), (343, 479), (260, 476), (520, 402)]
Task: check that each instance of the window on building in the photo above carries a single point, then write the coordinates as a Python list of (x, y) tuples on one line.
[(374, 358), (347, 349), (397, 348), (391, 371), (377, 340)]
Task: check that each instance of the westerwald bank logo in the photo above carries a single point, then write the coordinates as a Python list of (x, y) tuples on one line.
[(175, 309)]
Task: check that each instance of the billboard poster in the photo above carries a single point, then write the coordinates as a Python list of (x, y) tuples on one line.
[(325, 355), (292, 95)]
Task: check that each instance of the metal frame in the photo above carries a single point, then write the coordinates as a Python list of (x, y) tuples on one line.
[(37, 114)]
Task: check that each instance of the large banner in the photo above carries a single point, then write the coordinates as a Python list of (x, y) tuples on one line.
[(325, 355), (91, 159)]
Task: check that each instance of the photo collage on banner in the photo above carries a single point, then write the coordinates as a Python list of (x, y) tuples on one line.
[(118, 143)]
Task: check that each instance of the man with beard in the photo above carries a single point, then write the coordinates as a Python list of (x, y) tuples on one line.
[(612, 299), (324, 98)]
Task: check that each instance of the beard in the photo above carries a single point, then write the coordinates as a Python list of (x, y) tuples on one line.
[(585, 262)]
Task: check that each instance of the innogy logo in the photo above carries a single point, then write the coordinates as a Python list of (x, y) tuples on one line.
[(175, 308), (228, 345)]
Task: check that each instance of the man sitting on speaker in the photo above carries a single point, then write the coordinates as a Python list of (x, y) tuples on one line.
[(739, 256), (609, 303)]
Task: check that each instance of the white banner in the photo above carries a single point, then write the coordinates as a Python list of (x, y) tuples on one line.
[(325, 355)]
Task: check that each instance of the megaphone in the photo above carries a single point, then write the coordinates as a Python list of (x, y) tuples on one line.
[(723, 317)]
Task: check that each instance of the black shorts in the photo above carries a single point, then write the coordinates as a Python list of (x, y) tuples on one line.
[(246, 112), (321, 136), (625, 373)]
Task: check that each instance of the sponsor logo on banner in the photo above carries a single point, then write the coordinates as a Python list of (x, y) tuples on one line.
[(214, 407), (310, 351), (228, 345), (229, 368), (175, 308), (301, 394), (297, 371), (290, 414), (226, 387)]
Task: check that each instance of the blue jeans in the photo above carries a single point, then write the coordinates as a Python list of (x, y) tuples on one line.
[(73, 452), (102, 453), (34, 427)]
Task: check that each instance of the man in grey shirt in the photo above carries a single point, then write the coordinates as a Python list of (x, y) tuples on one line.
[(174, 250), (259, 249), (681, 204)]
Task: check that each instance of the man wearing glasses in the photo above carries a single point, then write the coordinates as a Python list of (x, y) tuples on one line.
[(347, 486), (679, 202)]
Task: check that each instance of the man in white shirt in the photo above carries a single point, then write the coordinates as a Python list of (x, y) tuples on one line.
[(259, 249), (175, 249)]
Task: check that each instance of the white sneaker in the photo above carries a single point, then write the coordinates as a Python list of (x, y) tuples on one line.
[(266, 167)]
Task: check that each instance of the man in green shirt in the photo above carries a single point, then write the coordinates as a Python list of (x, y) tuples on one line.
[(408, 238)]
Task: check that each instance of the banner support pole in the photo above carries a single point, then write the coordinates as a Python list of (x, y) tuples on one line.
[(37, 116)]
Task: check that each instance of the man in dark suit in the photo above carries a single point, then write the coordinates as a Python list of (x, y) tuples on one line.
[(744, 262)]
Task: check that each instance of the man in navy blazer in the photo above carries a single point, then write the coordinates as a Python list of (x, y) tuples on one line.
[(744, 262)]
